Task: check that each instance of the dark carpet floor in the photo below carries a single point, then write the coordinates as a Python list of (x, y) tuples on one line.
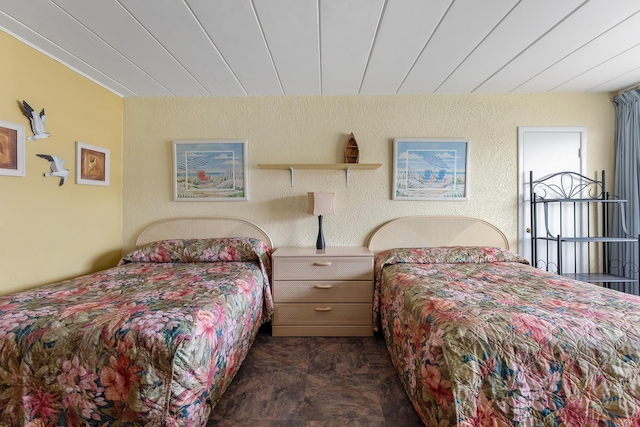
[(316, 382)]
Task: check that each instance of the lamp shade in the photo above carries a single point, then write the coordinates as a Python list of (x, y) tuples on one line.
[(320, 203)]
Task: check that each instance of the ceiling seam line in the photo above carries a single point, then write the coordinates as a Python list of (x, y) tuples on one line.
[(319, 21), (204, 30), (163, 47), (574, 51), (444, 15), (112, 48), (529, 46), (264, 38), (594, 67), (373, 43), (632, 87), (82, 73), (478, 45)]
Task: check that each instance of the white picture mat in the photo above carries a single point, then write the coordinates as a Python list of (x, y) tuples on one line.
[(87, 148), (210, 170)]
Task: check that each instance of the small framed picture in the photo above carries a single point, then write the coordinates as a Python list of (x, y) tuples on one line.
[(210, 171), (12, 157), (92, 164), (430, 169)]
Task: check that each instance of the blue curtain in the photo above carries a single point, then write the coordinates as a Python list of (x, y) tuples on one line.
[(627, 179)]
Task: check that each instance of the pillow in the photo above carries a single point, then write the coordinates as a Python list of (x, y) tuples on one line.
[(448, 255), (200, 250)]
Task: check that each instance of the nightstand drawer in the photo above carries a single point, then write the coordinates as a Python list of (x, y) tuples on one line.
[(323, 314), (323, 291), (325, 268)]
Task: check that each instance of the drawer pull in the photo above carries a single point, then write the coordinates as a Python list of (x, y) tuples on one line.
[(323, 308), (318, 286), (322, 264)]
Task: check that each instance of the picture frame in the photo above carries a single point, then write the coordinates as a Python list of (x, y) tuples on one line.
[(430, 169), (210, 170), (92, 164), (12, 149)]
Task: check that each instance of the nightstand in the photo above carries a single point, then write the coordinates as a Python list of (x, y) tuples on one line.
[(322, 293)]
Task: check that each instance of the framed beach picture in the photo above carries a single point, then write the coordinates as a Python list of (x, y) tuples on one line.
[(430, 169), (92, 164), (212, 171), (12, 158)]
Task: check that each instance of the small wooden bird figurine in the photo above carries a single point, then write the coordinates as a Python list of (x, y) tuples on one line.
[(37, 122), (57, 167)]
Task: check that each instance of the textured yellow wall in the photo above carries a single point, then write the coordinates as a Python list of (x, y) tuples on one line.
[(48, 233), (315, 129)]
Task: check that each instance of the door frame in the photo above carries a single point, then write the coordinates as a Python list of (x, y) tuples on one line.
[(523, 175)]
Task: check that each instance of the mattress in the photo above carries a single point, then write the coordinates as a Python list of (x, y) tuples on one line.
[(153, 341), (479, 337)]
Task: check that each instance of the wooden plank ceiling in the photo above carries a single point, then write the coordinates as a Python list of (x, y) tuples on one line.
[(145, 48)]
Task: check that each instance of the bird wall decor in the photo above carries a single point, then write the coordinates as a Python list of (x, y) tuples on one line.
[(57, 167), (37, 122)]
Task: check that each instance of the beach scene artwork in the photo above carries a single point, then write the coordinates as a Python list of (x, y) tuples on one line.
[(210, 170), (426, 169)]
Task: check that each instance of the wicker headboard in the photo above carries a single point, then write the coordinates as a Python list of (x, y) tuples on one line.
[(201, 228), (430, 231)]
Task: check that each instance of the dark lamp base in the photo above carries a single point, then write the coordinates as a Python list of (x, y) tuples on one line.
[(320, 242)]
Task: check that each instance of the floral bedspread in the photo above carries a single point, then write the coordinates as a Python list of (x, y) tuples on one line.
[(154, 341), (479, 338)]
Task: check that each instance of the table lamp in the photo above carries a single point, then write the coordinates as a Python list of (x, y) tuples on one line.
[(320, 204)]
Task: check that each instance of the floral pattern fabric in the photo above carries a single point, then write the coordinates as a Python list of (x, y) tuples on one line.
[(144, 343), (481, 339)]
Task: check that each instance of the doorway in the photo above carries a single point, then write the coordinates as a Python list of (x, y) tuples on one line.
[(546, 150)]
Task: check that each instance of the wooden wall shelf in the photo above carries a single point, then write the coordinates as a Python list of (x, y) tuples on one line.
[(326, 166)]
